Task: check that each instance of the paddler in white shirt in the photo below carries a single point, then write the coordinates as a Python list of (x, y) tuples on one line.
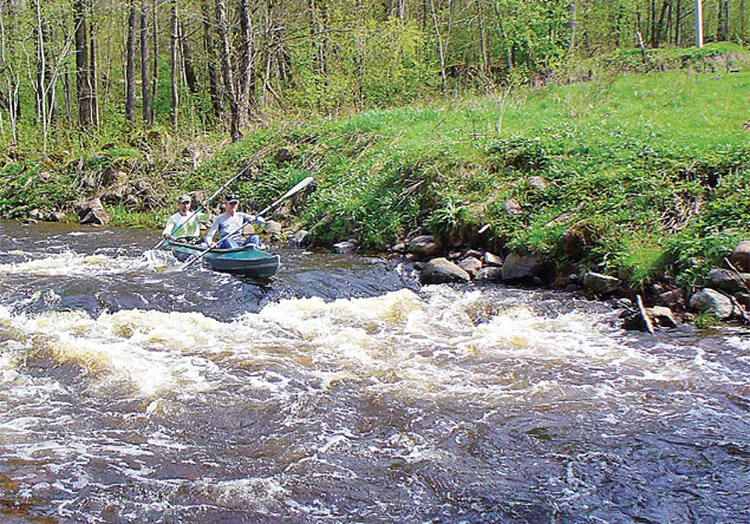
[(229, 225)]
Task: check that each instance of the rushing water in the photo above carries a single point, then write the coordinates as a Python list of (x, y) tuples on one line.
[(341, 391)]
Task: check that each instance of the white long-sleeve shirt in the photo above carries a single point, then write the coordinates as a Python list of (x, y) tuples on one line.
[(225, 225)]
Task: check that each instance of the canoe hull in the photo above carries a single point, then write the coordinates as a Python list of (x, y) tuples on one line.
[(245, 261)]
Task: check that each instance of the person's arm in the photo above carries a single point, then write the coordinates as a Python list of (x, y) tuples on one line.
[(253, 219), (168, 228), (212, 231)]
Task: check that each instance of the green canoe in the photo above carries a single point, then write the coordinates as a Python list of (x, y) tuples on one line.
[(247, 261)]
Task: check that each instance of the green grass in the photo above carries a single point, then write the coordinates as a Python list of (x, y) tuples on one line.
[(637, 157)]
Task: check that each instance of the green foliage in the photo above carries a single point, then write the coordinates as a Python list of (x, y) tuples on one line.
[(706, 320)]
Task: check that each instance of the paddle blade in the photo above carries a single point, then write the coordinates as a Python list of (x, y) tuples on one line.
[(176, 268)]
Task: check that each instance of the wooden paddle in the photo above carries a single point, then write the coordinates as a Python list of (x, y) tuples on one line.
[(180, 267)]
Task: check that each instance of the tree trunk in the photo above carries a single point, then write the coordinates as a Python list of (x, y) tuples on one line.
[(187, 61), (506, 41), (155, 40), (85, 114), (175, 67), (214, 84), (318, 14), (441, 51), (227, 73), (45, 82), (573, 24), (68, 98), (148, 112), (92, 78), (677, 22), (130, 82), (247, 63), (660, 26), (484, 54)]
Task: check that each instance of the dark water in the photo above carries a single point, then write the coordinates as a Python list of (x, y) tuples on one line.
[(341, 391)]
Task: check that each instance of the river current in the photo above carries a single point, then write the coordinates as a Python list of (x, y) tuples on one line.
[(342, 391)]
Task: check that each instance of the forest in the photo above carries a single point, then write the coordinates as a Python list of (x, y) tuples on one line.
[(76, 73)]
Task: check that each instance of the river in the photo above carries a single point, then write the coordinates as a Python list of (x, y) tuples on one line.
[(342, 391)]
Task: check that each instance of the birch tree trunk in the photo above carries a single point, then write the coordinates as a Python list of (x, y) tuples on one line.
[(227, 71), (175, 67), (92, 76), (9, 94), (441, 51), (247, 64), (130, 81), (148, 112)]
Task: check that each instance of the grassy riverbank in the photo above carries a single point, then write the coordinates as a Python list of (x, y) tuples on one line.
[(650, 171)]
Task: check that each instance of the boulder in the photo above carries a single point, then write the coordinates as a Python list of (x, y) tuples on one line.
[(300, 238), (661, 316), (521, 267), (423, 245), (741, 256), (711, 301), (471, 265), (539, 183), (490, 259), (729, 281), (283, 155), (442, 271), (273, 227), (490, 274), (599, 284), (344, 248), (513, 207), (91, 212), (674, 298), (473, 253), (574, 243)]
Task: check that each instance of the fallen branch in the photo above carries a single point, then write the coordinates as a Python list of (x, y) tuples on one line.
[(644, 315)]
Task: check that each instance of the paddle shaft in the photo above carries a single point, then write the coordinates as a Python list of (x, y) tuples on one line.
[(286, 195)]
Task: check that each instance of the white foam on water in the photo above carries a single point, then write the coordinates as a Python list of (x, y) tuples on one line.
[(69, 263), (261, 494), (443, 343)]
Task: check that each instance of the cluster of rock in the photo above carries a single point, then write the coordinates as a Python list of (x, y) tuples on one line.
[(470, 265), (729, 293), (726, 298)]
